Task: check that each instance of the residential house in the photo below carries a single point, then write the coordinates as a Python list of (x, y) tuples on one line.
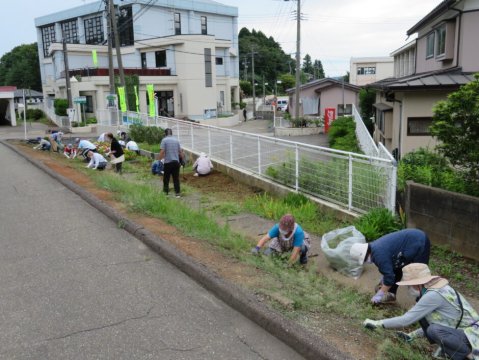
[(7, 106), (366, 70), (441, 59), (188, 50), (318, 95)]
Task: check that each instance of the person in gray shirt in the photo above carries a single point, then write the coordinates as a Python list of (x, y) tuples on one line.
[(172, 153), (445, 316)]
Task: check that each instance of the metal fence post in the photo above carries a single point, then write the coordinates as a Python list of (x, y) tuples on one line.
[(297, 168), (231, 148), (350, 183), (392, 189), (259, 155), (209, 141)]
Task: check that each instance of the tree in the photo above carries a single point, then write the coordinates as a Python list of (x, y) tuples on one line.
[(308, 65), (318, 69), (456, 124), (20, 67), (346, 77), (288, 81), (367, 97)]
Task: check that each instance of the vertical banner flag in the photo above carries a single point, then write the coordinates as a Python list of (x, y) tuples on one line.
[(95, 58), (151, 98), (329, 116), (136, 100), (121, 95)]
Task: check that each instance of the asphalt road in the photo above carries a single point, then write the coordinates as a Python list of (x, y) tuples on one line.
[(75, 286)]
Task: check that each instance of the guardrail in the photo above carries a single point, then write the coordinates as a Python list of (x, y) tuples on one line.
[(356, 182)]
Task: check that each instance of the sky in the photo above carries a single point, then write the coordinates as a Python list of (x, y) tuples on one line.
[(331, 31)]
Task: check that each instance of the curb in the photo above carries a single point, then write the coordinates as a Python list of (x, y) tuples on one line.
[(297, 337)]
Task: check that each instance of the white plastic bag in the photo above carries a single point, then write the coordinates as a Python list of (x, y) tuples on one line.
[(336, 245)]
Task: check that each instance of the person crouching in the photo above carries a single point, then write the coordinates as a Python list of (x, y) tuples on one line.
[(97, 161)]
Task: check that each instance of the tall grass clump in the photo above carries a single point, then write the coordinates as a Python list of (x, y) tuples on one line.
[(377, 222)]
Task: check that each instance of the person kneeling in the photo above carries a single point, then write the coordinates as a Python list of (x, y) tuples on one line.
[(97, 161), (202, 165), (285, 236), (445, 316)]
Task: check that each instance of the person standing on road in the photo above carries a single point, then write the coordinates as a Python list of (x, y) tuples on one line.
[(116, 152), (202, 165), (172, 153), (245, 113), (445, 316), (390, 254), (285, 236)]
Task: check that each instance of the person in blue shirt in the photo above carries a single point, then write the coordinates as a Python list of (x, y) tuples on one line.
[(286, 236), (390, 254)]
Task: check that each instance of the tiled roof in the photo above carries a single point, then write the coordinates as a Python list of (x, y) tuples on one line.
[(28, 92)]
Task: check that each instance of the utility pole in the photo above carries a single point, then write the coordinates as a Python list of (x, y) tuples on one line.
[(254, 85), (298, 59), (111, 70), (67, 71), (117, 42)]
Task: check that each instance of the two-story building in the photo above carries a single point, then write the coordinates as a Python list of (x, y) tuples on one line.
[(188, 51), (443, 57), (366, 70)]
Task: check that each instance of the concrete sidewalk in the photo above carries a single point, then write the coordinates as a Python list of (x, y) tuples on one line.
[(74, 285)]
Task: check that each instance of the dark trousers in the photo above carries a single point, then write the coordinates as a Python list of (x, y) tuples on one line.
[(452, 341), (171, 169), (118, 167)]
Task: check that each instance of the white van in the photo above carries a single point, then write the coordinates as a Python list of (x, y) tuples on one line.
[(282, 104)]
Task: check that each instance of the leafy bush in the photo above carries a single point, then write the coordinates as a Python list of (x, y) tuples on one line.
[(35, 114), (149, 134), (428, 168), (342, 135), (91, 120), (377, 222), (61, 106)]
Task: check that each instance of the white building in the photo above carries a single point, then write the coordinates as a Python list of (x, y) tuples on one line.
[(366, 70), (188, 50)]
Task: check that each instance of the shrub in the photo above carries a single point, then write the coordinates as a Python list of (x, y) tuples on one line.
[(149, 134), (35, 114), (91, 120), (377, 222), (342, 135), (61, 106)]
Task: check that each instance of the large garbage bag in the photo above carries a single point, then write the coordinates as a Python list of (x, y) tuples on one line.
[(336, 245)]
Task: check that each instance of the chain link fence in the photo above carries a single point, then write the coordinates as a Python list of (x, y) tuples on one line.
[(355, 182)]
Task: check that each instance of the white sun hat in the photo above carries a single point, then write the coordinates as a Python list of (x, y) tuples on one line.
[(358, 252)]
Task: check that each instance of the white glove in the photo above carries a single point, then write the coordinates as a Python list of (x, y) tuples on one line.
[(372, 324)]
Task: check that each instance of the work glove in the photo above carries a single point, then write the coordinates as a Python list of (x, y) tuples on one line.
[(255, 250), (404, 336), (376, 299), (372, 324)]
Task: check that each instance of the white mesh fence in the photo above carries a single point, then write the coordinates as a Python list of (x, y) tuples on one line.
[(353, 181)]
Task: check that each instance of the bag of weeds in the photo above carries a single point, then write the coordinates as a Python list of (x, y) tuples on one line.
[(336, 245)]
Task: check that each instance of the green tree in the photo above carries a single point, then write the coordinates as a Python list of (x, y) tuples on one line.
[(20, 68), (288, 81), (308, 65), (318, 69), (246, 87), (367, 97), (456, 124)]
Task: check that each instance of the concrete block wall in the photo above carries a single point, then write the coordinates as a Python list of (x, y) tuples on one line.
[(448, 218)]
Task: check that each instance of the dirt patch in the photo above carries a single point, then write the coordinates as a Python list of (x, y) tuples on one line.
[(219, 187)]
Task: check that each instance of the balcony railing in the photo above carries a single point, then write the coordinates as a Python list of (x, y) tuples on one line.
[(86, 72)]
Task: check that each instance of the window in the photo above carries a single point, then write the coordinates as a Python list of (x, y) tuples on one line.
[(208, 72), (347, 110), (441, 40), (219, 61), (70, 31), (89, 104), (160, 58), (177, 24), (125, 26), (48, 37), (94, 30), (143, 60), (368, 70), (204, 25), (430, 46), (418, 126)]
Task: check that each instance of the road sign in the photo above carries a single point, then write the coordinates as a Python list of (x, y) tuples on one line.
[(80, 100)]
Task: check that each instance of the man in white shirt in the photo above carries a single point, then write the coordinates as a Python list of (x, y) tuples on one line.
[(133, 146), (202, 165), (97, 161)]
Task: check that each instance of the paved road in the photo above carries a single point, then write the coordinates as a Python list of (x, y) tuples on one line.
[(74, 286)]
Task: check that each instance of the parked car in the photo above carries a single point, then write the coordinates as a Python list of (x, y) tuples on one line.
[(282, 105)]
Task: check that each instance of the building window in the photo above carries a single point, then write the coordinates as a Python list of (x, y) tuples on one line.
[(48, 37), (70, 31), (418, 126), (219, 61), (441, 40), (143, 60), (125, 26), (367, 70), (430, 45), (89, 104), (208, 68), (94, 30), (204, 25), (177, 24), (347, 109), (160, 58)]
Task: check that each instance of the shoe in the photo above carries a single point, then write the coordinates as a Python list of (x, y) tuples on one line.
[(388, 298), (195, 174), (439, 354), (178, 196)]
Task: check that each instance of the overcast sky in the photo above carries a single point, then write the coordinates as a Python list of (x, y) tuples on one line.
[(332, 31)]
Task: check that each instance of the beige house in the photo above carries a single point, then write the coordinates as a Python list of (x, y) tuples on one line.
[(442, 58), (318, 95), (366, 70)]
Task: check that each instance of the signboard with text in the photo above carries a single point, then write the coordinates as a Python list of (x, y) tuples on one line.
[(329, 117)]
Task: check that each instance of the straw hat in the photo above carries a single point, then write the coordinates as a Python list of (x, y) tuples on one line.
[(416, 274), (358, 252)]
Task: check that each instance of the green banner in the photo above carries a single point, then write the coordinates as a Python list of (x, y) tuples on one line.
[(151, 97), (136, 99), (121, 95), (95, 58)]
